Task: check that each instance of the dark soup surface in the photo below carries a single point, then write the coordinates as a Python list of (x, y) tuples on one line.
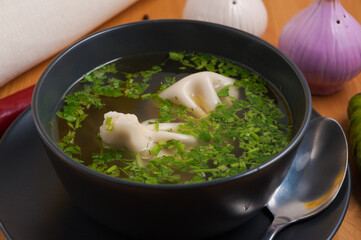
[(170, 118)]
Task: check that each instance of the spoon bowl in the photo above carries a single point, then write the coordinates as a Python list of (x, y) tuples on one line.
[(314, 178)]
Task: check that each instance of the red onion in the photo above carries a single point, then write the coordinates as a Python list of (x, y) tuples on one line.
[(324, 41)]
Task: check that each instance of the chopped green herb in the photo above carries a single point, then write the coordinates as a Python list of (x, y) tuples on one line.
[(108, 123), (156, 149), (233, 139)]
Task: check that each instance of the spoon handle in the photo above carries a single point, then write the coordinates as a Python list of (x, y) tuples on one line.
[(277, 224)]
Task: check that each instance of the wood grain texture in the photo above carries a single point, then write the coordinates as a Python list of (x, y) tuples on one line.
[(279, 12)]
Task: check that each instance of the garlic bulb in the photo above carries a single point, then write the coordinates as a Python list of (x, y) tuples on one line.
[(324, 41), (247, 15)]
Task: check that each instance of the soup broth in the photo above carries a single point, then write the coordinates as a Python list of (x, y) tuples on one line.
[(233, 139)]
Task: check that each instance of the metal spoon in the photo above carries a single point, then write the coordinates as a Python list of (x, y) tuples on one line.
[(314, 178)]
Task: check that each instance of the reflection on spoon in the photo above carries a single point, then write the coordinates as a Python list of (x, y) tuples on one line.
[(315, 177)]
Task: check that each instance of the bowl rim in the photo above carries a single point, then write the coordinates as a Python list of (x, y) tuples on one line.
[(85, 170)]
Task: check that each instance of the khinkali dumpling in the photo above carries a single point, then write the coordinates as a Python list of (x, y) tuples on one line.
[(125, 131), (198, 92)]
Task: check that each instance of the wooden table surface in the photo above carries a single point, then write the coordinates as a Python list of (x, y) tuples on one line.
[(279, 12)]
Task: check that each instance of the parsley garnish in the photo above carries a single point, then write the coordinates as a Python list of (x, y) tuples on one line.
[(234, 139)]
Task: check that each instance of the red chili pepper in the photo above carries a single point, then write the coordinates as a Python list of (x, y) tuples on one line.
[(11, 107)]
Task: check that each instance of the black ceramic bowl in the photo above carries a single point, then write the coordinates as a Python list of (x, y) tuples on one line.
[(170, 211)]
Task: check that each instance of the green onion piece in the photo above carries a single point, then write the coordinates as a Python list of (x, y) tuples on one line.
[(108, 123), (156, 149), (112, 168)]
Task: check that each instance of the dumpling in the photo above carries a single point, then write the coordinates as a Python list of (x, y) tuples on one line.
[(198, 92), (121, 130)]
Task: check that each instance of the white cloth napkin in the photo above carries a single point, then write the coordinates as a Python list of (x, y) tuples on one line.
[(32, 31)]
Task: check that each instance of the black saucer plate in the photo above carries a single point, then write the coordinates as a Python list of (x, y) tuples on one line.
[(34, 204)]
